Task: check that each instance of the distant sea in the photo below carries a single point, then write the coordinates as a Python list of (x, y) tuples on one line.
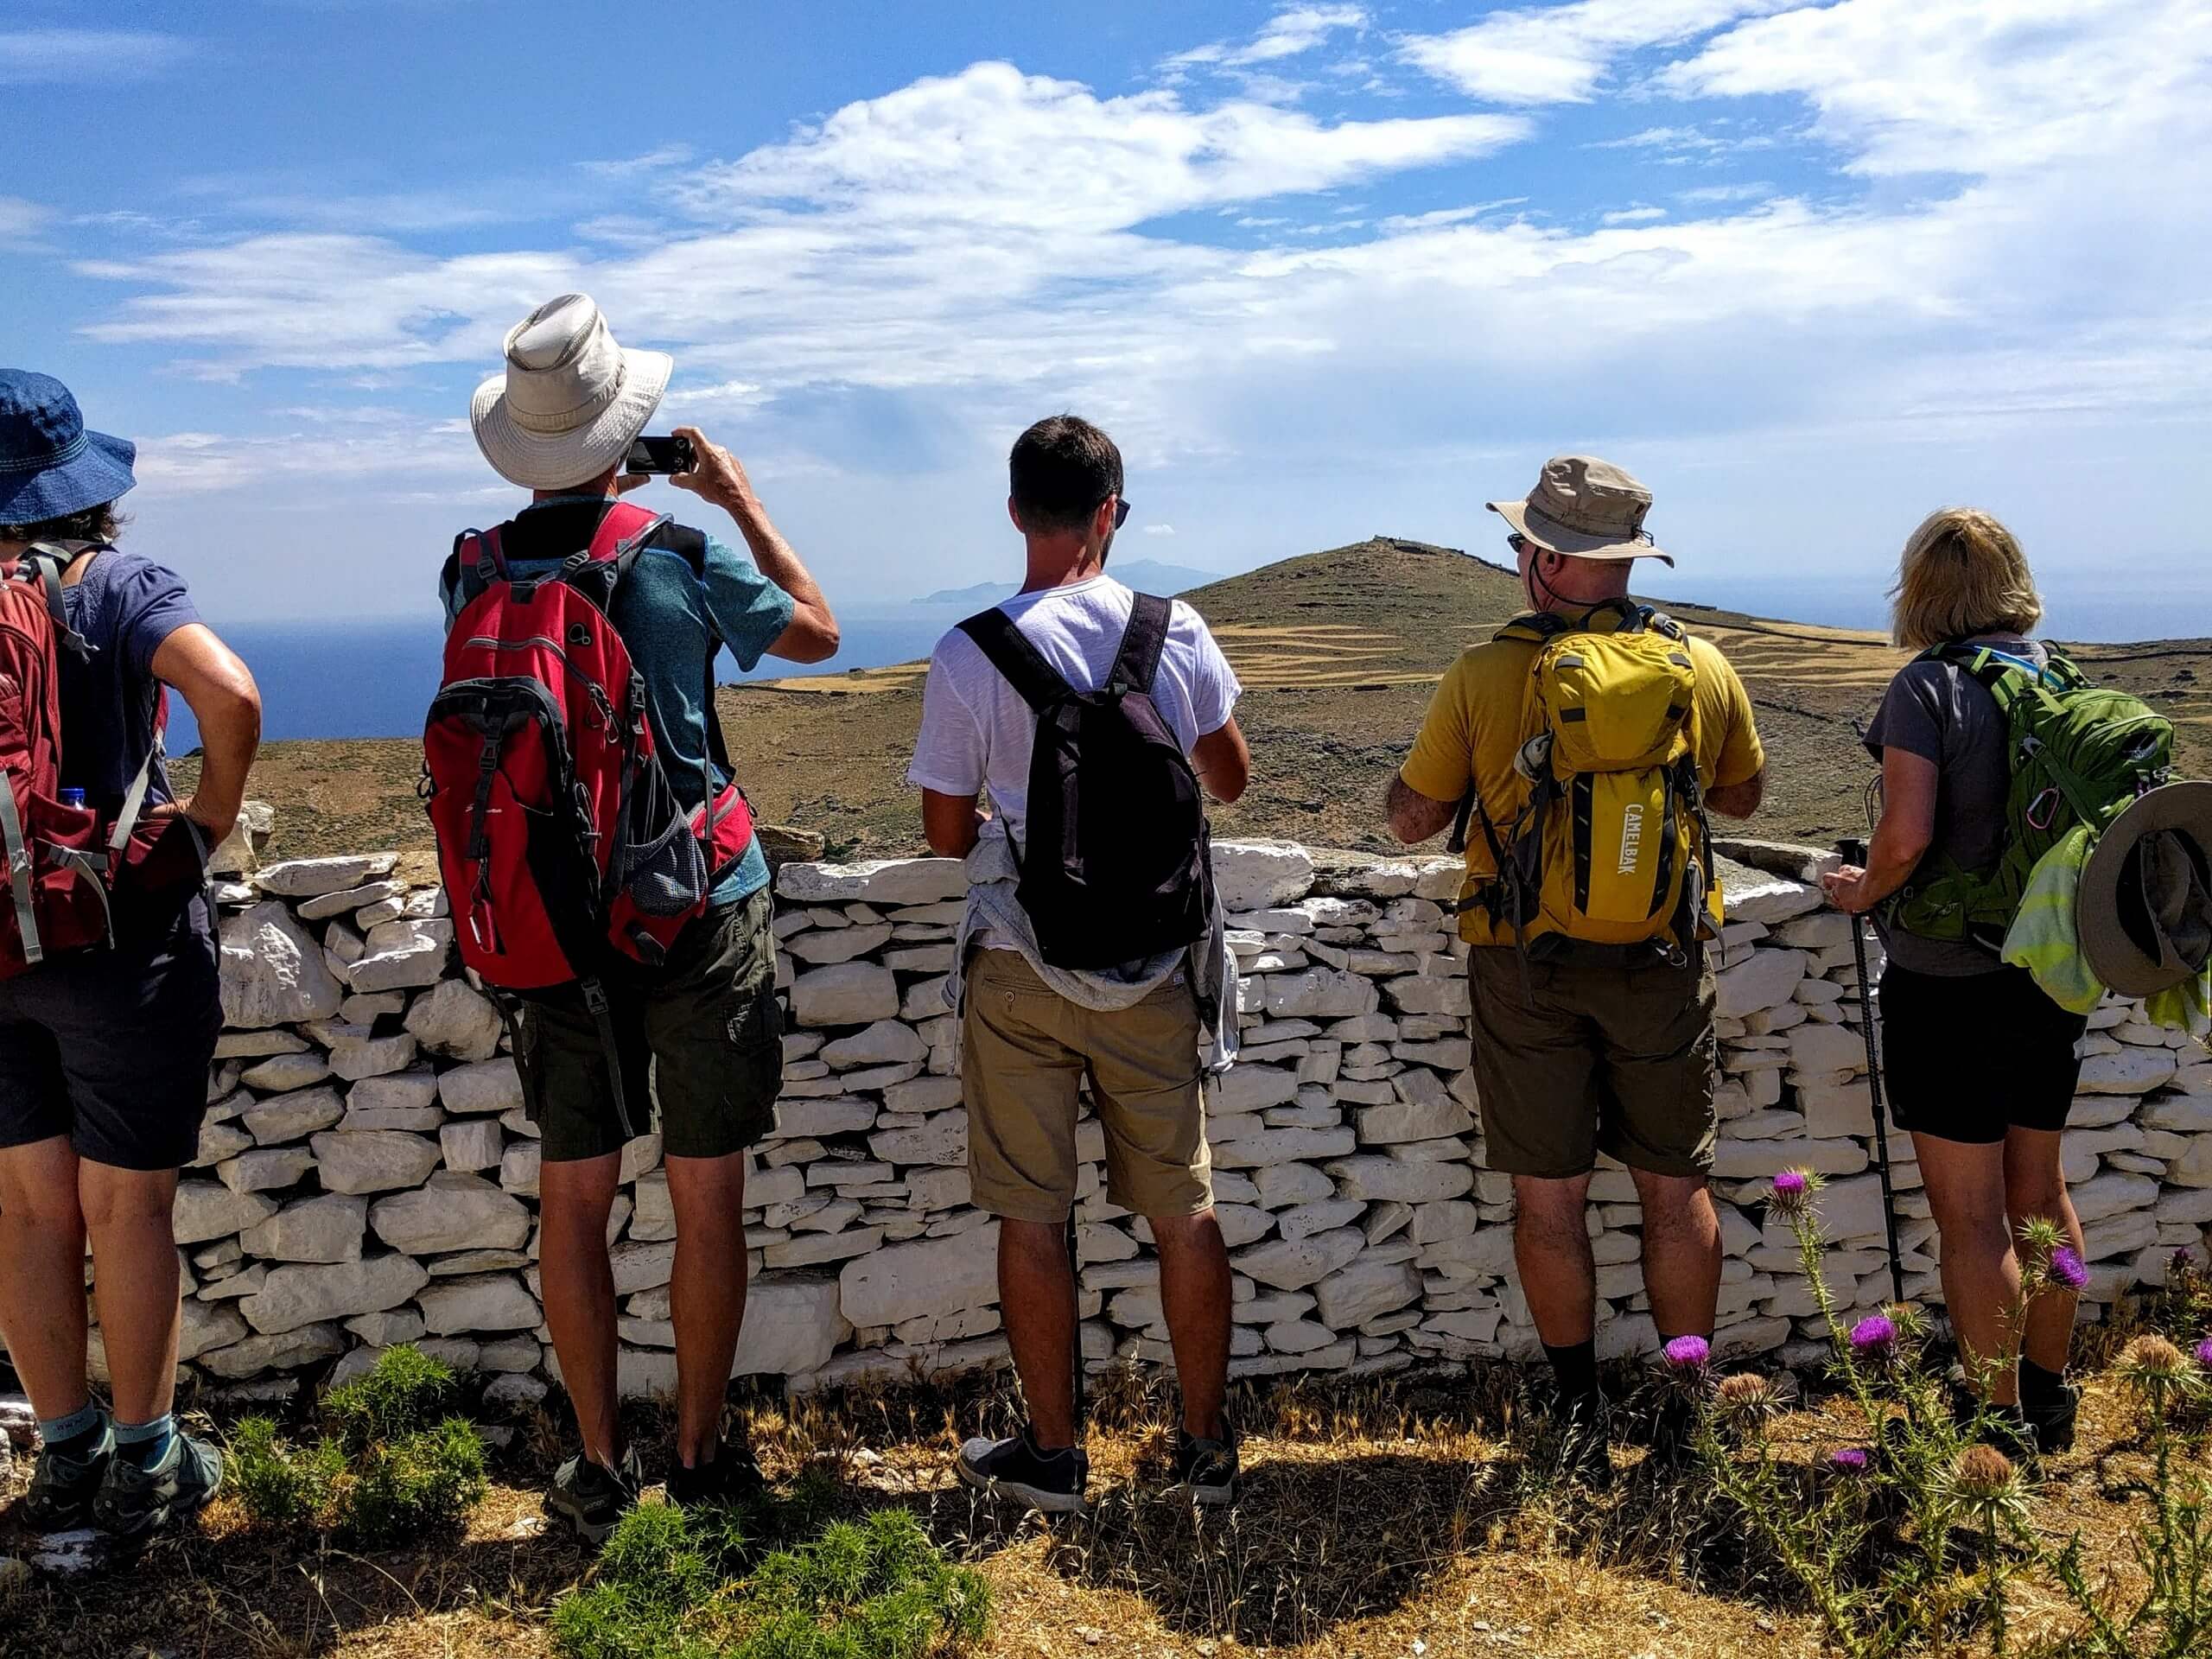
[(375, 678)]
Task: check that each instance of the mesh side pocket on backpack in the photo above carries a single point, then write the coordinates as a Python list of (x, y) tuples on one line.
[(664, 867)]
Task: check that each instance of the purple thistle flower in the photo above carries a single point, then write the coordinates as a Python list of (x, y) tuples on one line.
[(1875, 1334), (1850, 1459), (2204, 1353), (2066, 1267), (1790, 1183), (1689, 1353)]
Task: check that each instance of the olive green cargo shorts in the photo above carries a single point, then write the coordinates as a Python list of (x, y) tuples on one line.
[(1025, 1048), (699, 1040), (1596, 1057)]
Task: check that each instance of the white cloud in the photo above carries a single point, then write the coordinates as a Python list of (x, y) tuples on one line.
[(1290, 33), (1160, 530), (1561, 54), (22, 220), (99, 57), (1708, 194), (880, 299)]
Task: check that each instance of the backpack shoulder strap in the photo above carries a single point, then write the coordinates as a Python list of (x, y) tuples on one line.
[(691, 546), (624, 528), (1138, 661), (1038, 683), (45, 564), (1533, 627)]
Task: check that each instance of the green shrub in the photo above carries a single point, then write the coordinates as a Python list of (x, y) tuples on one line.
[(404, 1392), (278, 1486), (666, 1588), (421, 1482), (388, 1472)]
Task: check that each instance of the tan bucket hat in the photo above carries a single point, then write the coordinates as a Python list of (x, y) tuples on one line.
[(2144, 913), (570, 402), (1586, 508)]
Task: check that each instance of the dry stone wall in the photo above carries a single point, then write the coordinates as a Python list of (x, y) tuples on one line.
[(368, 1174)]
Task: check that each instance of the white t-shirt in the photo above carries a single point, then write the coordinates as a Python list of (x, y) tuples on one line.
[(977, 731)]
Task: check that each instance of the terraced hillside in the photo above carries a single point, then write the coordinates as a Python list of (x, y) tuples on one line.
[(1340, 651)]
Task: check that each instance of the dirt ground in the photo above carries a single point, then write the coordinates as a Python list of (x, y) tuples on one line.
[(1339, 651), (1378, 1521)]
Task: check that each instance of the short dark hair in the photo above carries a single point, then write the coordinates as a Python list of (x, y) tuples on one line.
[(1061, 469), (100, 523)]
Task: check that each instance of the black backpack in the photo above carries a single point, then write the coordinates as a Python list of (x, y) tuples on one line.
[(1117, 868)]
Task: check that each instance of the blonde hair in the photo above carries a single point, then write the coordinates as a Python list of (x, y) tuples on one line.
[(1961, 573)]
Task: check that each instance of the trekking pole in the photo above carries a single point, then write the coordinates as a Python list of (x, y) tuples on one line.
[(1074, 1279), (1855, 852)]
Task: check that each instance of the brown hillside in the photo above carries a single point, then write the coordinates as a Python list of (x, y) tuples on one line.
[(1340, 651)]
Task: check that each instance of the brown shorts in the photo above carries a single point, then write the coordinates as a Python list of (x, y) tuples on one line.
[(1596, 1057), (1025, 1048), (700, 1042)]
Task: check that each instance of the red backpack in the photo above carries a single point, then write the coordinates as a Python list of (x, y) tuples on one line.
[(67, 870), (564, 850)]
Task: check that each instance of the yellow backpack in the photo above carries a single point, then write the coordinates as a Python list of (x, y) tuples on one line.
[(1612, 846)]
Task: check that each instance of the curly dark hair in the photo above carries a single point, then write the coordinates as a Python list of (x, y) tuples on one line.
[(100, 523)]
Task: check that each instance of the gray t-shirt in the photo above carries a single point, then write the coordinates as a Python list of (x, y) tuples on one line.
[(1942, 714)]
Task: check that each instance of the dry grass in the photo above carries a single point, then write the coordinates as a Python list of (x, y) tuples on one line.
[(1375, 1517)]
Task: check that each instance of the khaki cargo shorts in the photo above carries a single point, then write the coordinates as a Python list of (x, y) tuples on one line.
[(1024, 1050), (1596, 1057), (700, 1041)]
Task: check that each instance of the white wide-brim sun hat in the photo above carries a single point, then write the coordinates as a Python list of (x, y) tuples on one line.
[(570, 402)]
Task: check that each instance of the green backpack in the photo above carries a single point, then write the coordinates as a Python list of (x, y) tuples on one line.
[(2080, 754)]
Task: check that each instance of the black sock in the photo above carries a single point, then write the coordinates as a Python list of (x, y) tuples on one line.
[(2041, 1392), (1575, 1371)]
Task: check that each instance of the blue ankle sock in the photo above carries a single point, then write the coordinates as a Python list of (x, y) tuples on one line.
[(144, 1443), (75, 1432)]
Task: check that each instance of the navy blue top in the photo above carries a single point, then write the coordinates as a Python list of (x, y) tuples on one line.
[(674, 624), (125, 605)]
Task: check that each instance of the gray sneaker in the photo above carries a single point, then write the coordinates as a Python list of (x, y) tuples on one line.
[(589, 1500), (62, 1487), (135, 1502)]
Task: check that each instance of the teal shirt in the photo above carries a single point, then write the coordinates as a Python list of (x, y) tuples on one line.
[(675, 624)]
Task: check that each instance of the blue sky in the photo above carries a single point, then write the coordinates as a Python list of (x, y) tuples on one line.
[(1326, 269)]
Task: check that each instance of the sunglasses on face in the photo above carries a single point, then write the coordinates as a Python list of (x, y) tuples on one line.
[(1518, 543), (1121, 511)]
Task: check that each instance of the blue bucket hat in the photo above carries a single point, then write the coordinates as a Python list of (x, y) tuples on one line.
[(50, 466)]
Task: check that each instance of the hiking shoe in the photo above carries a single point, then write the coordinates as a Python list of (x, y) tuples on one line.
[(63, 1485), (590, 1499), (1204, 1470), (2053, 1425), (732, 1477), (135, 1502), (1050, 1481)]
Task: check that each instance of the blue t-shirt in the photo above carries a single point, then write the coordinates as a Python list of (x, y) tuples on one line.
[(125, 605), (674, 626)]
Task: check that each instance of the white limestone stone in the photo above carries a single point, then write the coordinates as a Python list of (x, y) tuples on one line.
[(493, 1301), (285, 1350), (373, 1160), (273, 972), (792, 1325), (1405, 1181), (846, 993), (902, 881), (293, 1296), (319, 1230), (471, 1144), (1765, 979), (283, 1071), (885, 1043), (1257, 874), (927, 1277), (481, 1087), (456, 1021), (1366, 1290), (1294, 1264), (205, 1210), (837, 945), (309, 878), (398, 954), (452, 1211), (266, 1170)]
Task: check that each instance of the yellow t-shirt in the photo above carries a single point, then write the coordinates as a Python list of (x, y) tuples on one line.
[(1482, 713)]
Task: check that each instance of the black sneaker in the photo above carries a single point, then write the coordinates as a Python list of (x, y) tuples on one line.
[(2052, 1424), (1204, 1470), (1050, 1481), (64, 1484), (135, 1502), (733, 1477), (591, 1499)]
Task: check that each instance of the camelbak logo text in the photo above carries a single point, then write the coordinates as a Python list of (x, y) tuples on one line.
[(1631, 839)]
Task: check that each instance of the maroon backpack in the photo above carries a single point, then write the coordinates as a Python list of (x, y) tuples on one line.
[(67, 869), (564, 849)]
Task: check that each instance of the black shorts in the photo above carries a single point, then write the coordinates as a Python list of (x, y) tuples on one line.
[(1966, 1057), (700, 1042), (112, 1048)]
